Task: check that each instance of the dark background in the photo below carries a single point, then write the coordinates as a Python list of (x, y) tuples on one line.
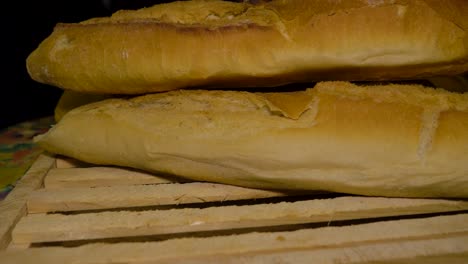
[(24, 25)]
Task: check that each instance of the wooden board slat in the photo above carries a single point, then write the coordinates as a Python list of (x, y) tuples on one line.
[(13, 207), (100, 177), (453, 250), (441, 238), (57, 227), (13, 246), (77, 199)]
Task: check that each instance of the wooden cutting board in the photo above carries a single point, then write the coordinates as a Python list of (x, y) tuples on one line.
[(63, 211)]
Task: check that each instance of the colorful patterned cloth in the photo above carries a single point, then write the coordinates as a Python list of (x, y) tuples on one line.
[(18, 152)]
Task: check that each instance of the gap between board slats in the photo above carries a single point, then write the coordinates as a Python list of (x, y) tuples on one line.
[(59, 227), (441, 238)]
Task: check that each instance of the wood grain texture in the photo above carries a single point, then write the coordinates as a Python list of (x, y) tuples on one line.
[(99, 177), (442, 239), (14, 205), (78, 199), (58, 227)]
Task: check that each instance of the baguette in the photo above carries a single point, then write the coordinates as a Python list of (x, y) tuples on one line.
[(70, 100), (225, 44), (383, 140)]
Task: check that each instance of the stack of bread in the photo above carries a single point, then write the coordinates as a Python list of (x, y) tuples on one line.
[(196, 89)]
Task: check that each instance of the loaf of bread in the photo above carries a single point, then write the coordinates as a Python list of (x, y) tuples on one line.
[(71, 99), (226, 44), (385, 140)]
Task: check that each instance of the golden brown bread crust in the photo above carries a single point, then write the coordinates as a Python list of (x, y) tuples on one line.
[(225, 44), (390, 140), (70, 100)]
